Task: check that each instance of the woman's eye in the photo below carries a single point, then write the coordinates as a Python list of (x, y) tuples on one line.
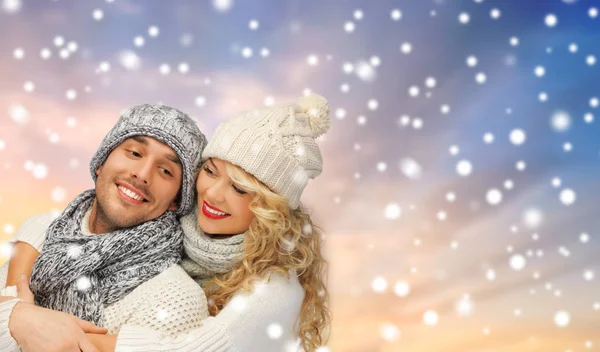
[(239, 190), (134, 153), (167, 172), (208, 170)]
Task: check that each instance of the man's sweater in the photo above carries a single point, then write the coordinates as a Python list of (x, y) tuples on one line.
[(175, 306), (170, 303)]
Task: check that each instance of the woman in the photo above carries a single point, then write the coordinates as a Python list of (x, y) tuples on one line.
[(252, 248)]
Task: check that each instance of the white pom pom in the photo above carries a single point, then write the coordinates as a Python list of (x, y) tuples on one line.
[(317, 110)]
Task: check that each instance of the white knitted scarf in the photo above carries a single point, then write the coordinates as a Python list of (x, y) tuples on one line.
[(204, 256)]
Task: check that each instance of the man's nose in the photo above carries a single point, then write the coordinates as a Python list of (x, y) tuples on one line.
[(143, 172)]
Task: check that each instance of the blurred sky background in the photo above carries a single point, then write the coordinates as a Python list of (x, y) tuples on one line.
[(459, 195)]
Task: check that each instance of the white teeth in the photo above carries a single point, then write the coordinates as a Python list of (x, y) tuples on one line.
[(212, 211), (130, 193)]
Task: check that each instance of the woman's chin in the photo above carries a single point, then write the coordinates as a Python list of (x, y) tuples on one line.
[(210, 229), (215, 229)]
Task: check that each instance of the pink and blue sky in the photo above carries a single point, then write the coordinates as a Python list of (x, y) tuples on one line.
[(459, 195)]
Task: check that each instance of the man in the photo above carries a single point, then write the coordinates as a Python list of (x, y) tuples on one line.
[(124, 232)]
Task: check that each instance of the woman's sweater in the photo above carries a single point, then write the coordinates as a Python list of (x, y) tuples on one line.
[(175, 306)]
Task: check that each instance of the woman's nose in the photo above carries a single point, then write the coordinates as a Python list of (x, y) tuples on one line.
[(215, 193)]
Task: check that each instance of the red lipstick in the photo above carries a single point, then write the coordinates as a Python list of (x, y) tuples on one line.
[(207, 208)]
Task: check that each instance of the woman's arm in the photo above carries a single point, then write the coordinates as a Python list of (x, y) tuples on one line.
[(29, 242), (104, 343), (263, 320), (40, 329), (21, 261), (7, 343), (33, 230), (29, 239), (171, 303)]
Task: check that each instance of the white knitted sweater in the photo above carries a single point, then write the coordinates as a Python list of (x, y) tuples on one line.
[(173, 305)]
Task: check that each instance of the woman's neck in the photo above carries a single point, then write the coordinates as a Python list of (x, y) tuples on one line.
[(217, 236)]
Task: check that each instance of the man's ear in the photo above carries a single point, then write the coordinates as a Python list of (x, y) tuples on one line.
[(173, 206)]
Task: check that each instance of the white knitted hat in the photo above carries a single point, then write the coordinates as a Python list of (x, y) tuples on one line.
[(276, 145)]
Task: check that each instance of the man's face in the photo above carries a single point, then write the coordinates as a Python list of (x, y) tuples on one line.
[(138, 182)]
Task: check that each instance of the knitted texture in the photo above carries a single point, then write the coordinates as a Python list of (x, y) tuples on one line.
[(7, 343), (168, 125), (242, 325), (80, 274), (168, 299), (206, 257), (276, 145), (170, 303)]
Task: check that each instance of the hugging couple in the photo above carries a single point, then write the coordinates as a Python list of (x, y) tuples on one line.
[(182, 245)]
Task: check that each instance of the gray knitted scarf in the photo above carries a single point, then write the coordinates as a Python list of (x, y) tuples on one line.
[(205, 256), (80, 274)]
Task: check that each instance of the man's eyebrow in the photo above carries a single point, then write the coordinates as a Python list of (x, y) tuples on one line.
[(171, 157), (174, 158), (140, 139)]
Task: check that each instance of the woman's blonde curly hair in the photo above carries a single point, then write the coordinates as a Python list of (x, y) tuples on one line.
[(279, 240)]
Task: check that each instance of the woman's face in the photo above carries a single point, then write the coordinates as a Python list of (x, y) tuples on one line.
[(223, 207)]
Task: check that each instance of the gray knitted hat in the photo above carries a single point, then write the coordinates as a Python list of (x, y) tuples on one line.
[(168, 125), (276, 144)]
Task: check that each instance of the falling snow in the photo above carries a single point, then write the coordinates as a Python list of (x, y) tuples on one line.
[(462, 150)]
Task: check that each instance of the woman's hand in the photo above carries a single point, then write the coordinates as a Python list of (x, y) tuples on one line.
[(21, 262), (23, 290), (104, 343), (40, 329)]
